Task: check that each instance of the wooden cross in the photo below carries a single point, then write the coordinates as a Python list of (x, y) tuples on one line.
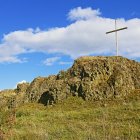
[(116, 35)]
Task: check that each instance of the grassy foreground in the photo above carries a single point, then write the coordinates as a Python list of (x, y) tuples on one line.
[(74, 119)]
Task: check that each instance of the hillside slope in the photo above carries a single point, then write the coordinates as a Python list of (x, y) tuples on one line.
[(97, 98)]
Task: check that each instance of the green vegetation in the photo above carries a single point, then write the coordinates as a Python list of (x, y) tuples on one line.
[(74, 119)]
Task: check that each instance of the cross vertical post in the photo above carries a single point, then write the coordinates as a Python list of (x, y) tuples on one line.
[(116, 36)]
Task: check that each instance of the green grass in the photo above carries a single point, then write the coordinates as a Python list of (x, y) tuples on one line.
[(75, 119)]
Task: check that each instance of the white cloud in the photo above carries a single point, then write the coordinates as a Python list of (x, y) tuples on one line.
[(85, 36), (65, 63), (83, 14), (50, 61)]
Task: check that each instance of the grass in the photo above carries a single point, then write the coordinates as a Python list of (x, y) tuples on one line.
[(74, 119)]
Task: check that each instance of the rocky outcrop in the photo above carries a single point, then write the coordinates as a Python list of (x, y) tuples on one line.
[(92, 78), (22, 88)]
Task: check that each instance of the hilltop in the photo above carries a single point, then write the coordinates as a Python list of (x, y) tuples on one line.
[(91, 78), (97, 98)]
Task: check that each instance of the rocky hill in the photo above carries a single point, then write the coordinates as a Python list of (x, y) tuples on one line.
[(91, 78), (110, 86)]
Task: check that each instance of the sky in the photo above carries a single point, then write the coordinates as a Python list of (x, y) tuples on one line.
[(43, 37)]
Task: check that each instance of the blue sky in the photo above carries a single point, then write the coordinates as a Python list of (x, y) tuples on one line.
[(42, 37)]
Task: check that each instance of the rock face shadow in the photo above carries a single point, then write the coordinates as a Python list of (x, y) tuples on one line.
[(46, 99)]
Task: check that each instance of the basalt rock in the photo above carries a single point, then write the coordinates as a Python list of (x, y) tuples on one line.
[(92, 78), (22, 88)]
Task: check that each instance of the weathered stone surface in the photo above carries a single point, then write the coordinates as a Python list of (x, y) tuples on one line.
[(92, 78), (22, 88)]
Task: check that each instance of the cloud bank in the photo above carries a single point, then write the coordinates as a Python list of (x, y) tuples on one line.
[(84, 36)]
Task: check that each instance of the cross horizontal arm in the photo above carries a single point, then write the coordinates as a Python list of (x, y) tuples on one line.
[(116, 30)]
